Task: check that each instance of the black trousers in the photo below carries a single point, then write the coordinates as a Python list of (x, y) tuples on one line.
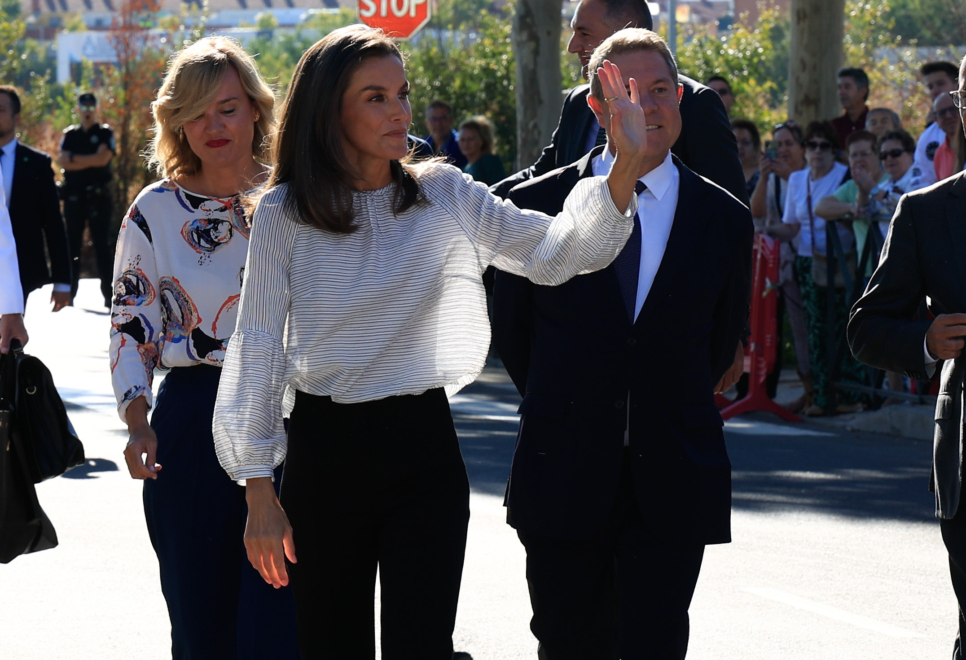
[(376, 484), (220, 608), (91, 205), (619, 593), (954, 536)]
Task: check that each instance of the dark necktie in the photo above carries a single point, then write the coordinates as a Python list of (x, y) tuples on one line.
[(601, 137), (627, 265)]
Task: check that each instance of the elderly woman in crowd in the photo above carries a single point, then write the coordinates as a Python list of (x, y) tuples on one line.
[(805, 188), (951, 154), (362, 308), (476, 143), (180, 258), (768, 201)]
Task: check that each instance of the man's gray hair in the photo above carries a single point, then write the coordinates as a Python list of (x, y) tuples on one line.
[(629, 40)]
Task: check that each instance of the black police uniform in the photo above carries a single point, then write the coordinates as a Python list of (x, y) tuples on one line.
[(87, 199)]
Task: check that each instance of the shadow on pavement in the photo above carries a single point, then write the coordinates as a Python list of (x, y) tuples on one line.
[(89, 469), (834, 473), (776, 467)]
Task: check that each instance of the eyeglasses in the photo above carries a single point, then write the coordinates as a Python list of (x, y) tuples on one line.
[(815, 145), (947, 112), (892, 153), (958, 98), (87, 108)]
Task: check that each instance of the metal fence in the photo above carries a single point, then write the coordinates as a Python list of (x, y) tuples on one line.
[(837, 346)]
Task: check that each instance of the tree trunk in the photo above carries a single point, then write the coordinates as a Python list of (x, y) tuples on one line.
[(536, 45), (818, 30)]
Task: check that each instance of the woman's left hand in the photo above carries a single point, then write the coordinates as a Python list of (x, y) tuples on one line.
[(628, 126)]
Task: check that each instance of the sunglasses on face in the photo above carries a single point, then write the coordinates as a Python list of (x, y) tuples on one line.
[(892, 153), (959, 98), (88, 108), (815, 145)]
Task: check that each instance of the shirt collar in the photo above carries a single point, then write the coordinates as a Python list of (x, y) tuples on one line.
[(657, 180), (10, 147)]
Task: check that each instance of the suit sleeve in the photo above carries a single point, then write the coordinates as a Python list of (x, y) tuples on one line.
[(512, 322), (55, 231), (882, 331), (731, 312), (707, 144), (547, 162)]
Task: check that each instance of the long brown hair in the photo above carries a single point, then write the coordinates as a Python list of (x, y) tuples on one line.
[(308, 153)]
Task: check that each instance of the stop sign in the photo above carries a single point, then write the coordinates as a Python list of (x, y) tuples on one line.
[(399, 18)]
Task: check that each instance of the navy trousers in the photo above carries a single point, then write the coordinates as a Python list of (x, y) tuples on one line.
[(220, 607), (380, 483), (621, 592)]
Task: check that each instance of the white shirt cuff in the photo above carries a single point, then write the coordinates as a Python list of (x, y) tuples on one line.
[(930, 360), (61, 288)]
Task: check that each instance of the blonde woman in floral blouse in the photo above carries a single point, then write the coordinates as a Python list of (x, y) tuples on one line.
[(177, 280)]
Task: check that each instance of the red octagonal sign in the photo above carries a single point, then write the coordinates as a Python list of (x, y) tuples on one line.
[(399, 18)]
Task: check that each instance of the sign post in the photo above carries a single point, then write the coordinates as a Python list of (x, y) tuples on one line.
[(401, 19)]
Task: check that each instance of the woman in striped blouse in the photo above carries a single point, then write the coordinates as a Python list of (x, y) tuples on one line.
[(177, 279), (362, 308)]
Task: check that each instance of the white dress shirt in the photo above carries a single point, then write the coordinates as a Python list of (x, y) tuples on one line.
[(656, 207), (8, 162), (11, 293)]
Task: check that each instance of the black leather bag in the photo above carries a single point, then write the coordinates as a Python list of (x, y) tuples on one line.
[(50, 445), (24, 527)]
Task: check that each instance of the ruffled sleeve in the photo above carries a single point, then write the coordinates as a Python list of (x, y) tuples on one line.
[(249, 437)]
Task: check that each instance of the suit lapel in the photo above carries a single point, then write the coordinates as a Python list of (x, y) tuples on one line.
[(688, 223), (955, 210), (20, 163), (586, 120)]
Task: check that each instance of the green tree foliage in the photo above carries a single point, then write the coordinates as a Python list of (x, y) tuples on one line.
[(754, 60), (930, 22), (465, 57)]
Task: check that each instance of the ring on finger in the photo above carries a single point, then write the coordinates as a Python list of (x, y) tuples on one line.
[(613, 98)]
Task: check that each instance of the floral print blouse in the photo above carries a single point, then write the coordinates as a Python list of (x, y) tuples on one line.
[(177, 280)]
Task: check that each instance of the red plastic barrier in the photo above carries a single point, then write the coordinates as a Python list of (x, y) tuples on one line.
[(762, 350)]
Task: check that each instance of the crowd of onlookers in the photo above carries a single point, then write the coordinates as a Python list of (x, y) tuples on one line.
[(850, 170)]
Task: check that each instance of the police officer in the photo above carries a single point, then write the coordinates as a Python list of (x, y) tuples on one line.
[(85, 156)]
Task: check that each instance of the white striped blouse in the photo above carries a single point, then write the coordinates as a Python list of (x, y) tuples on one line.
[(397, 307)]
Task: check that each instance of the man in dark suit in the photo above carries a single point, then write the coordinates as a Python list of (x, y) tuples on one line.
[(925, 257), (620, 475), (706, 144), (34, 208)]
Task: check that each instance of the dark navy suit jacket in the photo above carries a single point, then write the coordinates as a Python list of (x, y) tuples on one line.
[(574, 355)]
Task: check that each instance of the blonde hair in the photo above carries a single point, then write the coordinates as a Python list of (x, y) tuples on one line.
[(484, 129), (194, 77)]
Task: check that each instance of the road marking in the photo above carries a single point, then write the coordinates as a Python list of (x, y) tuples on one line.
[(514, 419), (769, 429), (832, 612)]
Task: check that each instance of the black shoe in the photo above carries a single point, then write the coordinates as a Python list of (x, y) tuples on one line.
[(460, 655)]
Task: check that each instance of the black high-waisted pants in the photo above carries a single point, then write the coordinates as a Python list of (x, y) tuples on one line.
[(380, 483)]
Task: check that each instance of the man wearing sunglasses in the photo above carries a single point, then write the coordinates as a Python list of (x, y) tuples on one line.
[(85, 156), (923, 259)]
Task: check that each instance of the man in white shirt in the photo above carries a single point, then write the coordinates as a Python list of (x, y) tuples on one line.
[(11, 295), (620, 476), (938, 78)]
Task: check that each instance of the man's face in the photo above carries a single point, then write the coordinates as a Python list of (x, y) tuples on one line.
[(87, 111), (850, 94), (660, 96), (947, 116), (938, 82), (591, 27), (724, 92), (863, 156), (439, 122), (8, 120)]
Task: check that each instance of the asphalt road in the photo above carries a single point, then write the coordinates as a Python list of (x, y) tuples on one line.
[(836, 554)]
